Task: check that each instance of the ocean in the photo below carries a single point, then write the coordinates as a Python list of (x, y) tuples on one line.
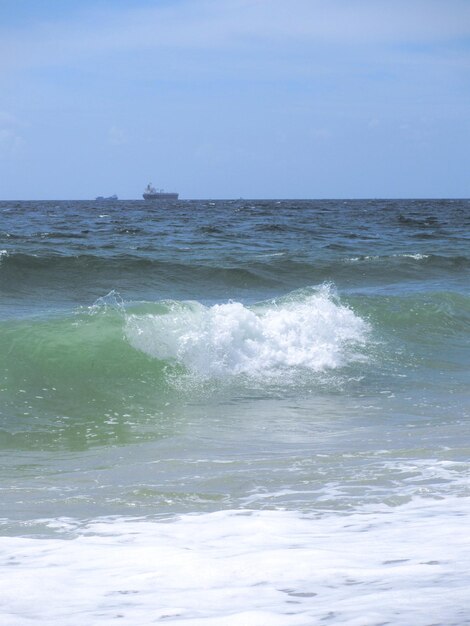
[(235, 413)]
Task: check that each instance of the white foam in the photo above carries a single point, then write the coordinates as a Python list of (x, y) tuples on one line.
[(373, 257), (416, 257), (404, 565), (314, 333)]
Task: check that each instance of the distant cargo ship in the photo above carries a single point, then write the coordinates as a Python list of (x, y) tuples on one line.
[(101, 198), (150, 193)]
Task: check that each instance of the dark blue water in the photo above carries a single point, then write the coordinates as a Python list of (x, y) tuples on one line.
[(61, 254)]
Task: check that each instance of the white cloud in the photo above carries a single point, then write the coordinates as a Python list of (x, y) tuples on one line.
[(117, 136), (7, 119), (11, 140), (11, 143), (225, 24), (320, 133)]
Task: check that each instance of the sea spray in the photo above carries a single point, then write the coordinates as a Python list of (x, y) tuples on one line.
[(312, 332)]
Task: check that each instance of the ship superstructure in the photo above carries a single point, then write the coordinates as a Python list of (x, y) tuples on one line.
[(150, 193)]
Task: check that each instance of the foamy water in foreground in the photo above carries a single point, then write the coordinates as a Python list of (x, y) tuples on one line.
[(247, 567)]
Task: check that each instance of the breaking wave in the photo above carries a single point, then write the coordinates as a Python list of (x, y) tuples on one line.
[(313, 331)]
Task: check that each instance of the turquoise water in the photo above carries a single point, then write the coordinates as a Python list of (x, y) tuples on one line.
[(262, 406)]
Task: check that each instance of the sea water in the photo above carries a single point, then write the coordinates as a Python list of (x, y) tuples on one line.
[(235, 413)]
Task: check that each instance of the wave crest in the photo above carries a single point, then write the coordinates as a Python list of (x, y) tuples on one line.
[(314, 332)]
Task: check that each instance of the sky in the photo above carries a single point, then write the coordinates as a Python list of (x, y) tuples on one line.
[(235, 98)]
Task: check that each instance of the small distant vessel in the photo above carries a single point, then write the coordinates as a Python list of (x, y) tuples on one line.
[(101, 198), (150, 193)]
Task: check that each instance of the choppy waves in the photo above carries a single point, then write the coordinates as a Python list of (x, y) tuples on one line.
[(32, 282)]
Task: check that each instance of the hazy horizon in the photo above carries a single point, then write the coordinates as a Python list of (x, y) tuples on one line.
[(233, 199)]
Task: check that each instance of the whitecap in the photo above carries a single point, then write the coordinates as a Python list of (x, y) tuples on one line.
[(314, 332)]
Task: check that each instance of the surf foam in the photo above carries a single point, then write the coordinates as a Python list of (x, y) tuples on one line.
[(404, 565), (313, 332)]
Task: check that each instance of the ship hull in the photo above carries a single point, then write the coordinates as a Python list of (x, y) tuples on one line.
[(161, 195)]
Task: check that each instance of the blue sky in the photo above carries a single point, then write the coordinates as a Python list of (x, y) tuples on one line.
[(230, 98)]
